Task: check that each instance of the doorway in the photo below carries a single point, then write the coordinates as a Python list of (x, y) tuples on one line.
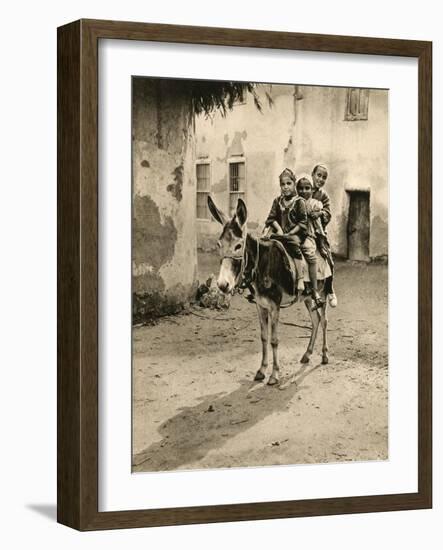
[(358, 226)]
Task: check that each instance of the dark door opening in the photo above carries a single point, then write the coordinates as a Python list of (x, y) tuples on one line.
[(358, 226)]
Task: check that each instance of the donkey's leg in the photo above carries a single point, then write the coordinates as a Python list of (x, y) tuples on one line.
[(263, 318), (274, 314), (315, 321), (324, 326)]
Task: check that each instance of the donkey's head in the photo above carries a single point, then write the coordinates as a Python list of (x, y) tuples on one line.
[(231, 245)]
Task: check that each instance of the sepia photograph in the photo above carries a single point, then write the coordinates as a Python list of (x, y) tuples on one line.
[(259, 274)]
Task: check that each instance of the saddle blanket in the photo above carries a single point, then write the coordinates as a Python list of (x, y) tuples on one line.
[(293, 270)]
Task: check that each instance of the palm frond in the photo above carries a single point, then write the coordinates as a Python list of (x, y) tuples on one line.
[(210, 96)]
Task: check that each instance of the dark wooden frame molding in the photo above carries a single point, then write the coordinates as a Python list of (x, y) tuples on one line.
[(77, 452)]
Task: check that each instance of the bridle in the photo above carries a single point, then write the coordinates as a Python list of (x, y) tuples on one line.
[(241, 281)]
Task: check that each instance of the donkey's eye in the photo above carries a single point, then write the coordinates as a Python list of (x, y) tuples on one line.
[(237, 247)]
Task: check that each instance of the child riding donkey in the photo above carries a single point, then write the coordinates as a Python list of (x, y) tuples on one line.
[(319, 177), (316, 235), (295, 220), (289, 222)]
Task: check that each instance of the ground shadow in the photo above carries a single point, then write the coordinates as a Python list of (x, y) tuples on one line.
[(188, 436), (47, 510)]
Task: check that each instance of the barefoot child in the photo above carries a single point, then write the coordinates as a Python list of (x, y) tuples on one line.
[(314, 210), (319, 177), (307, 238), (287, 218)]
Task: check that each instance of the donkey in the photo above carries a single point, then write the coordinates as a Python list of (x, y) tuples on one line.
[(261, 263)]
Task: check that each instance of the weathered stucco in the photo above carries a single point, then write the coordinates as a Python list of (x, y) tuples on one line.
[(356, 153), (164, 241), (263, 140), (304, 126)]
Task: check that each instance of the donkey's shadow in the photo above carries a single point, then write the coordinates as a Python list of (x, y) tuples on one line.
[(191, 434)]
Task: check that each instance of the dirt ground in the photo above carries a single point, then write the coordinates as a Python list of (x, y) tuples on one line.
[(196, 405)]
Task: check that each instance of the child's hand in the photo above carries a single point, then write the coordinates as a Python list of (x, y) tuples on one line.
[(324, 216), (293, 231)]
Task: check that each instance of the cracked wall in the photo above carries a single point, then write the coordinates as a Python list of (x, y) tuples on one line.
[(304, 126), (264, 141), (356, 153), (163, 230)]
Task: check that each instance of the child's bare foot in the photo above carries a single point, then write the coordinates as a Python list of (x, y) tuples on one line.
[(332, 299)]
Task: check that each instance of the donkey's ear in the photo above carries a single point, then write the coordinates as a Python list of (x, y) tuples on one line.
[(242, 212), (218, 214)]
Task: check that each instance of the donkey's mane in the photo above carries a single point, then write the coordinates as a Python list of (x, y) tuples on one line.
[(271, 266)]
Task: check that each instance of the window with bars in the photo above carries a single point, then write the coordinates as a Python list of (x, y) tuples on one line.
[(203, 188), (236, 184), (357, 102)]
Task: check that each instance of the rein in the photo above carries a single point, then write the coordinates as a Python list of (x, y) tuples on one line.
[(243, 283)]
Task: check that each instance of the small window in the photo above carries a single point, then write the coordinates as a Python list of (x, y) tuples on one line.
[(203, 187), (357, 101), (236, 184)]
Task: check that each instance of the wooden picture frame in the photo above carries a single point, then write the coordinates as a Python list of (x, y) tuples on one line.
[(77, 455)]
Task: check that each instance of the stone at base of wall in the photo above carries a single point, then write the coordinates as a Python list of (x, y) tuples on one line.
[(382, 259), (209, 296), (151, 305)]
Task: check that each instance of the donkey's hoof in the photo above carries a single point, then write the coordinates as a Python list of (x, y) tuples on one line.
[(325, 360), (259, 376), (305, 358), (272, 381)]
